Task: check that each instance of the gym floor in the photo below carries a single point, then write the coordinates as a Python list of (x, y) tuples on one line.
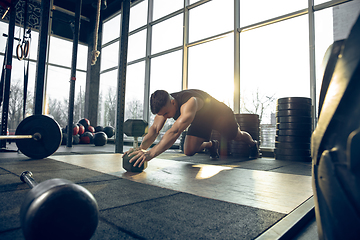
[(176, 197)]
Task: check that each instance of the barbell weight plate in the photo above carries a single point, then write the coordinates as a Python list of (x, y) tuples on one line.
[(292, 145), (292, 132), (294, 119), (293, 105), (49, 130), (295, 126), (302, 100), (293, 112), (294, 139)]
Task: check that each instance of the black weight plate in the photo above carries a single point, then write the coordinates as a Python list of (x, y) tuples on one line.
[(295, 112), (250, 122), (250, 129), (291, 132), (51, 136), (254, 123), (294, 119), (292, 151), (254, 126), (295, 126), (291, 145), (293, 139), (329, 60), (293, 158), (294, 99), (239, 144), (247, 116), (288, 106)]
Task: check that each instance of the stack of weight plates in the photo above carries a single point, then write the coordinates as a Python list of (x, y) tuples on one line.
[(293, 129), (249, 123)]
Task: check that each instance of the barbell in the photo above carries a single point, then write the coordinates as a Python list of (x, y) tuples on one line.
[(57, 209), (37, 136)]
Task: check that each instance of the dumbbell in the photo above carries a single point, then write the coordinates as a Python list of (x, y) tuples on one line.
[(57, 209), (134, 128)]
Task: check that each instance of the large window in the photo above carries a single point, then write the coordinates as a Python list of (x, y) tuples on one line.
[(109, 56), (211, 18), (57, 82), (165, 7), (136, 46), (166, 72), (138, 16), (167, 34), (111, 29), (134, 93), (274, 63), (211, 68), (273, 50), (166, 75), (253, 11), (107, 98)]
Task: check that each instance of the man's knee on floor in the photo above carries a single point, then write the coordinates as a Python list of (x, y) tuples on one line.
[(189, 152)]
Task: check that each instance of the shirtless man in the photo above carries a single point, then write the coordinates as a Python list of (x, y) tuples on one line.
[(200, 112)]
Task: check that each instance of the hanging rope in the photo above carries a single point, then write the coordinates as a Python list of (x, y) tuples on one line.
[(95, 52)]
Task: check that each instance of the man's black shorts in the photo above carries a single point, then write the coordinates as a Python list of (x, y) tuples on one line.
[(220, 118)]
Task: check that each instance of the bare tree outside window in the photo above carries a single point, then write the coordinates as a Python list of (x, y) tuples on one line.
[(261, 104), (15, 113)]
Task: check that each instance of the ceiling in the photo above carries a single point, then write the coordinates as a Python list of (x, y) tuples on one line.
[(89, 7), (63, 13), (61, 19)]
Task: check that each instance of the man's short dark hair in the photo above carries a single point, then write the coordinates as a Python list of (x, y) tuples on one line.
[(158, 100)]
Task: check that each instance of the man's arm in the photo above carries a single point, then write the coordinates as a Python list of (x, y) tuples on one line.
[(188, 111), (153, 132)]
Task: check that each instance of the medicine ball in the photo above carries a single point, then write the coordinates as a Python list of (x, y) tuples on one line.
[(76, 139), (99, 129), (87, 138), (109, 131), (100, 139), (90, 129), (75, 129), (85, 122), (81, 129)]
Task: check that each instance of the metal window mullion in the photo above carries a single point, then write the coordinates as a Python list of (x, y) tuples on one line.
[(209, 39), (111, 42), (196, 4), (273, 20), (146, 112), (166, 17), (165, 52), (236, 56), (185, 57), (136, 61), (137, 30), (329, 4), (312, 60)]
